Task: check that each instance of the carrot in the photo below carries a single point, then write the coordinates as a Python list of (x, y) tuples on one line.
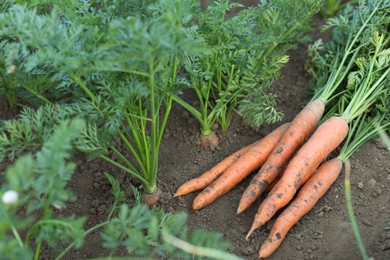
[(324, 140), (241, 168), (211, 175), (209, 141), (302, 125), (151, 198), (307, 197), (273, 184)]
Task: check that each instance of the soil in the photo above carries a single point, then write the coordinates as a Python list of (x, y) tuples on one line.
[(324, 233)]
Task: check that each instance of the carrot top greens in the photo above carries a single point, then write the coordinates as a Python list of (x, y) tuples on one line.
[(245, 55)]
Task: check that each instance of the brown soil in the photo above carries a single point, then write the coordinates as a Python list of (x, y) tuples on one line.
[(324, 233)]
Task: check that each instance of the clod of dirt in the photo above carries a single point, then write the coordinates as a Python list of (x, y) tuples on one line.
[(371, 183), (385, 246), (367, 222), (248, 250)]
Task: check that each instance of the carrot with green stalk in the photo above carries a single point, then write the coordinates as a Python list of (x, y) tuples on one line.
[(370, 83), (364, 129), (306, 121)]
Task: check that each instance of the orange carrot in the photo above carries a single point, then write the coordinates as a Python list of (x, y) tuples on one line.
[(307, 197), (211, 175), (324, 140), (240, 169), (273, 184), (301, 127)]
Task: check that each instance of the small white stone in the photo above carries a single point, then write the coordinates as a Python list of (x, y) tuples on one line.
[(10, 197)]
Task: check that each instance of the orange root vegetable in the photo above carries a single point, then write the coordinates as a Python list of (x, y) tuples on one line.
[(273, 184), (151, 198), (241, 168), (209, 141), (307, 197), (324, 140), (211, 175), (301, 127)]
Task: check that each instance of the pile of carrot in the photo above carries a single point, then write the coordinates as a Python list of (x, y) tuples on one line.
[(291, 158), (231, 171)]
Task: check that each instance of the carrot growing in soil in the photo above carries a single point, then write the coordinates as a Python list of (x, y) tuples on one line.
[(369, 84), (241, 64), (241, 168), (306, 121)]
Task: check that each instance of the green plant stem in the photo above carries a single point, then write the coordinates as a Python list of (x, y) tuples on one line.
[(83, 86), (331, 84), (37, 250), (364, 97), (89, 231), (120, 166), (39, 96), (123, 158), (348, 199), (189, 108), (151, 186), (139, 138), (16, 235), (133, 152), (197, 250)]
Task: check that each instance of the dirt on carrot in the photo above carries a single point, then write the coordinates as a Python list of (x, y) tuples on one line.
[(307, 197), (303, 124), (324, 140)]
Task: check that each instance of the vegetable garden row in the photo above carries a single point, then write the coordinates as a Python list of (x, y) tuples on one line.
[(84, 74)]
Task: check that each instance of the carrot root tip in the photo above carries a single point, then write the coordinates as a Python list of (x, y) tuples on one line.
[(249, 233)]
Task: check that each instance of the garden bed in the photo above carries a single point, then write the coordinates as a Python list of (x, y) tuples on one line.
[(325, 233)]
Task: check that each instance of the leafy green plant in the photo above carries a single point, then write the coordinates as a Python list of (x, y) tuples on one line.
[(366, 80), (36, 184), (118, 61), (331, 7), (245, 55)]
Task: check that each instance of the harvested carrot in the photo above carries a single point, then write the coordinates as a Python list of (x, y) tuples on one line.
[(307, 197), (324, 140), (301, 127), (241, 168), (211, 175), (273, 184)]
